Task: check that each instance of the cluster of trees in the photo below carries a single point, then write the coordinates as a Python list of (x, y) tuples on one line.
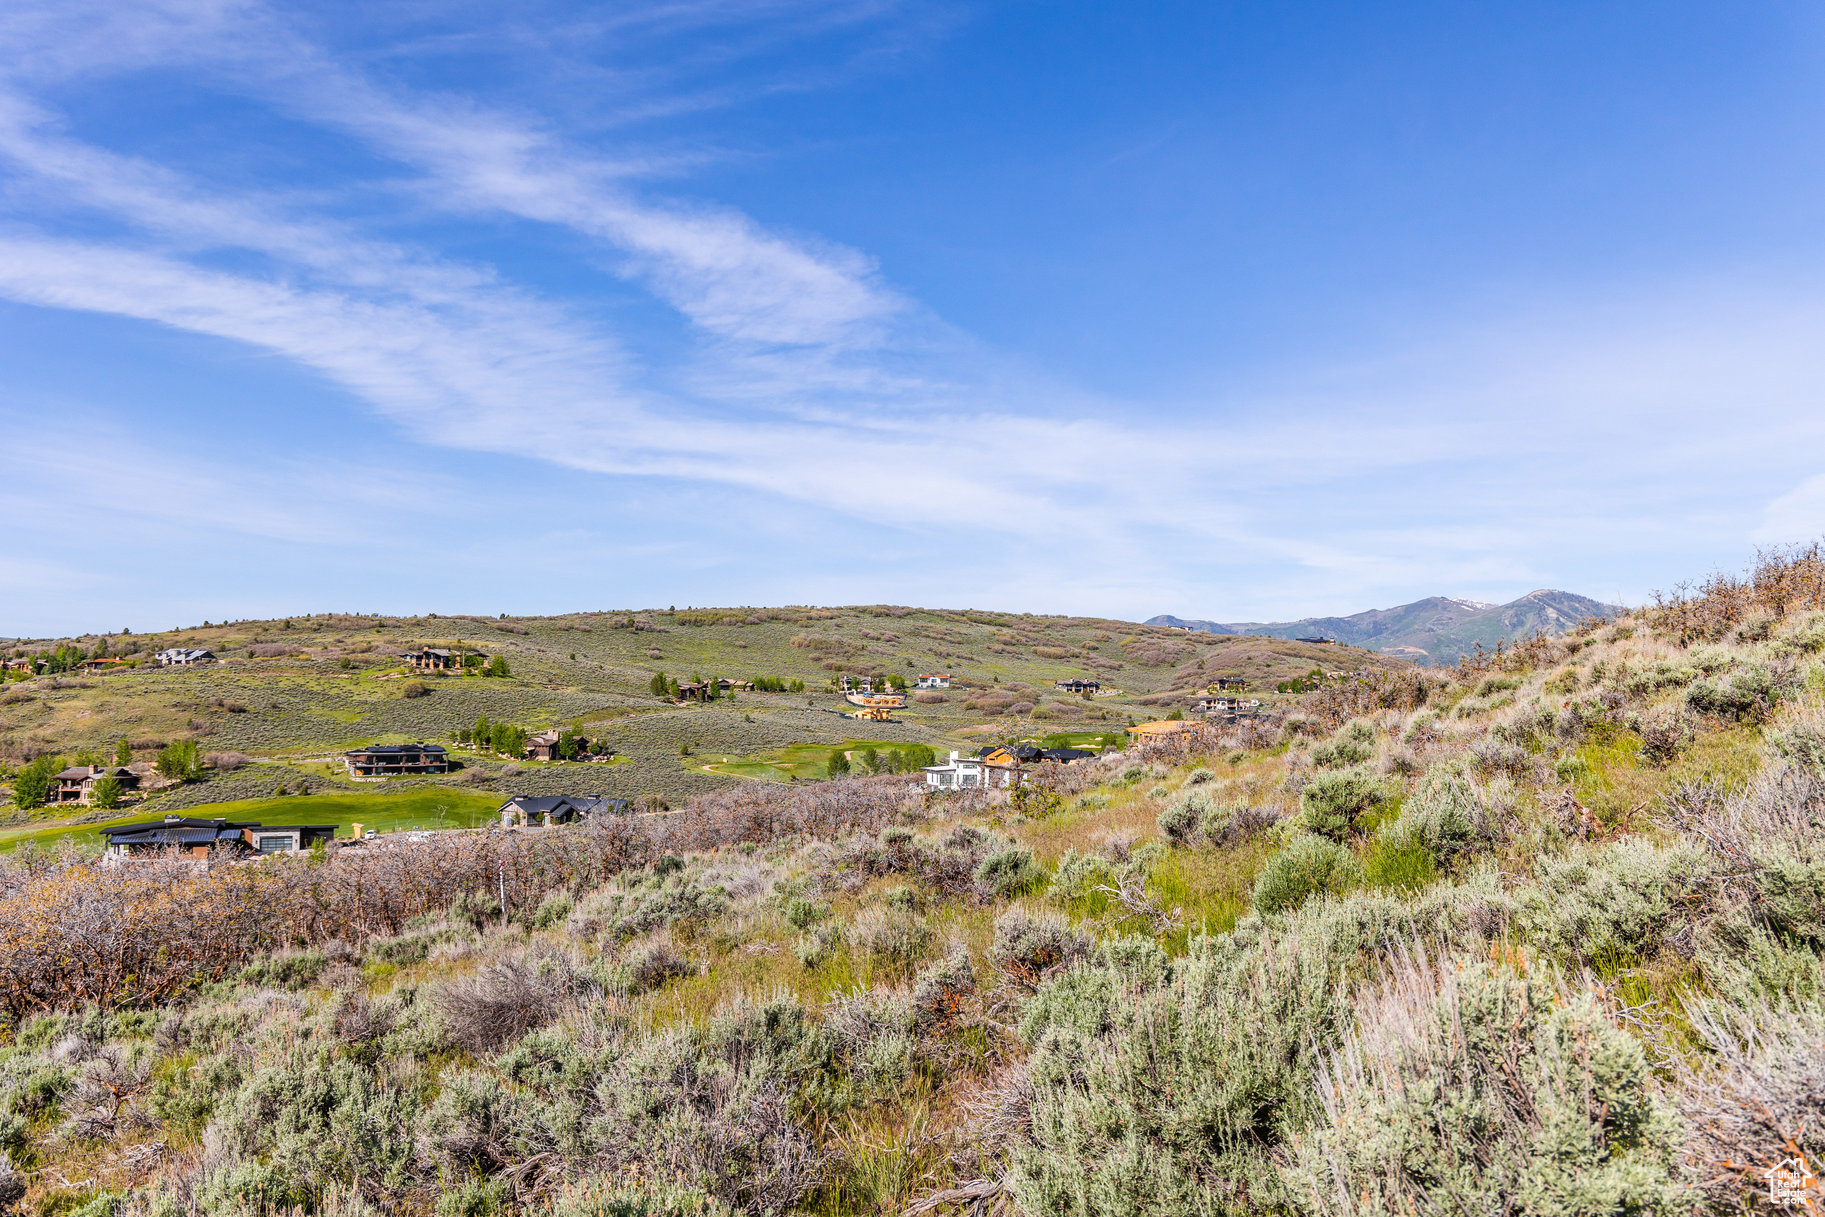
[(666, 687), (497, 666), (67, 656), (1302, 684), (180, 762), (501, 737), (871, 760), (32, 785)]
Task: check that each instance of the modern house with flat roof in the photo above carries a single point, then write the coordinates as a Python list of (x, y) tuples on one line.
[(193, 839), (182, 657), (394, 760), (992, 769)]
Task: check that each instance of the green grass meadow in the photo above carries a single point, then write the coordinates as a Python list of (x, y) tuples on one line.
[(384, 812)]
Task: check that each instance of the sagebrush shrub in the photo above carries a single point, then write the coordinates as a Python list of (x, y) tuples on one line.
[(1310, 865), (314, 1122), (939, 994), (1161, 1087), (1029, 947), (1756, 1099), (895, 939), (1445, 816), (1748, 694), (1181, 819), (553, 909), (1351, 746), (1615, 903), (639, 904), (1079, 875), (615, 1198), (498, 1004), (1773, 833), (1802, 744), (649, 965), (1479, 1089), (815, 947), (1330, 803), (1006, 873)]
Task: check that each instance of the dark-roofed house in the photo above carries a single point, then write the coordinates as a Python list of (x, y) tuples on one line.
[(431, 659), (1076, 685), (1066, 755), (392, 760), (75, 784), (191, 838), (546, 744), (182, 657), (531, 809)]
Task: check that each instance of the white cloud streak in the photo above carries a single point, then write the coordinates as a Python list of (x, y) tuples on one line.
[(808, 374)]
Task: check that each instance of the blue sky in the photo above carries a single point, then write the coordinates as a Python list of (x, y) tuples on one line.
[(1242, 311)]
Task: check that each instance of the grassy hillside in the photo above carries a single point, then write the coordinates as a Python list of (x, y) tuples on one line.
[(1542, 935), (290, 694)]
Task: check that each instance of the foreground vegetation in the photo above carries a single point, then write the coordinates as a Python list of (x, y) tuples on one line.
[(1539, 935)]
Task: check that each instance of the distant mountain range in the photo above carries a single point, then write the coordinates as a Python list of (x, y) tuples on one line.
[(1436, 630)]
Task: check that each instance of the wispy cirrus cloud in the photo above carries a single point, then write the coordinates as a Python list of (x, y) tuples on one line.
[(790, 367)]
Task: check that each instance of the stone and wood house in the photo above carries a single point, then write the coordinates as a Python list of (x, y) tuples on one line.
[(77, 783)]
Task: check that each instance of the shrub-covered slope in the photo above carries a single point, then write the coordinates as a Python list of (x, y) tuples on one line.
[(1539, 936)]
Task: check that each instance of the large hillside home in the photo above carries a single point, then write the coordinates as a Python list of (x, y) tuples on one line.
[(194, 839), (1226, 707), (933, 680), (432, 659), (546, 744), (532, 810), (1075, 685), (393, 760), (182, 657), (994, 768), (77, 783)]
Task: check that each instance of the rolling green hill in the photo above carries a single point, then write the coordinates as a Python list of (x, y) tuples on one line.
[(289, 695)]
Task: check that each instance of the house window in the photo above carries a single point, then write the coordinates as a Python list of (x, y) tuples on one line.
[(275, 845)]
